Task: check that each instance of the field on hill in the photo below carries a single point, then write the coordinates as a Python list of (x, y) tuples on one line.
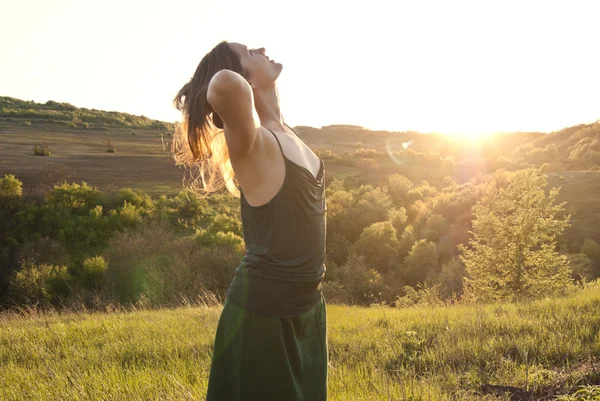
[(80, 155), (532, 350)]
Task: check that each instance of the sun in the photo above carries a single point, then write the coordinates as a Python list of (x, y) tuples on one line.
[(467, 136)]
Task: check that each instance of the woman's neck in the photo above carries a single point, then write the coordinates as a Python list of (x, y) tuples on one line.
[(266, 102)]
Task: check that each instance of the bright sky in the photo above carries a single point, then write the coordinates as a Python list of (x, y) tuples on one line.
[(445, 66)]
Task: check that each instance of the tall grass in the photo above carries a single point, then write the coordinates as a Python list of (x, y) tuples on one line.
[(545, 347)]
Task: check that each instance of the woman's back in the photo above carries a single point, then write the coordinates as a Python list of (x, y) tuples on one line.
[(281, 272)]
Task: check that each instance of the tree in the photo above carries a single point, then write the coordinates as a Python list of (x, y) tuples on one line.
[(10, 186), (434, 228), (451, 278), (591, 249), (512, 254), (379, 245), (398, 187), (421, 264)]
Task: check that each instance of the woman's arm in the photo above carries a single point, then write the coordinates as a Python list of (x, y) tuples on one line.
[(231, 97)]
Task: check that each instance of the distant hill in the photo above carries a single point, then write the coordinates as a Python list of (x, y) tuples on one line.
[(55, 112)]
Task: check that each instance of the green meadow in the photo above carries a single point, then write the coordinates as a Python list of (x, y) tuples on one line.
[(535, 350), (456, 269)]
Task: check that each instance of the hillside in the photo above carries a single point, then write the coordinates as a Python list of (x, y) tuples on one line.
[(52, 112), (354, 154)]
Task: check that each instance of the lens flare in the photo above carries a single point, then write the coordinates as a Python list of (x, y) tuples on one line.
[(396, 156)]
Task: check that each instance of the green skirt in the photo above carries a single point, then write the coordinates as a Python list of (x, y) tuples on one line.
[(260, 358)]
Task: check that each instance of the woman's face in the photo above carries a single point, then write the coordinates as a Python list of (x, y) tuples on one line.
[(260, 70)]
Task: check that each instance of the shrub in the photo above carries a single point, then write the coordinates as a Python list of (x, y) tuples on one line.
[(133, 133), (41, 150), (361, 284), (93, 271), (111, 147), (136, 198), (161, 266), (85, 125), (45, 250), (26, 123), (10, 186), (38, 283)]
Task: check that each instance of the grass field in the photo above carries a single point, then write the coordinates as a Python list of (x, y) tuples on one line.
[(80, 155), (544, 347)]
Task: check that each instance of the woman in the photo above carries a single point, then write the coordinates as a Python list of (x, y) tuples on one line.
[(271, 339)]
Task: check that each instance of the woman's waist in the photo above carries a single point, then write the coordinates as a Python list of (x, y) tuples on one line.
[(275, 298)]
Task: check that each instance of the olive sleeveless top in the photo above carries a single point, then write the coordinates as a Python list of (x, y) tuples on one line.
[(280, 275)]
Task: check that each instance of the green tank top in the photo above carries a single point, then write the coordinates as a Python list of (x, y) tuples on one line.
[(280, 275)]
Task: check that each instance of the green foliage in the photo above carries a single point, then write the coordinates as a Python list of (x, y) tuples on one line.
[(426, 295), (584, 393), (77, 198), (406, 241), (159, 265), (139, 199), (372, 206), (360, 283), (591, 249), (184, 210), (421, 264), (38, 283), (398, 218), (55, 111), (378, 244), (512, 253), (435, 226), (212, 239), (10, 186), (398, 187), (451, 278), (93, 271)]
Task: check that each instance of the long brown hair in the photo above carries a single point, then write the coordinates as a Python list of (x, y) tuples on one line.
[(198, 142)]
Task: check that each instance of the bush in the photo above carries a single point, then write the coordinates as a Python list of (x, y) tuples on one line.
[(45, 250), (41, 150), (156, 264), (85, 125), (93, 272), (26, 123), (38, 283), (10, 186), (111, 147), (361, 284), (137, 198)]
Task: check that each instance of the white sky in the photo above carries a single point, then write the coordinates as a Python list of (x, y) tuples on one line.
[(446, 66)]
